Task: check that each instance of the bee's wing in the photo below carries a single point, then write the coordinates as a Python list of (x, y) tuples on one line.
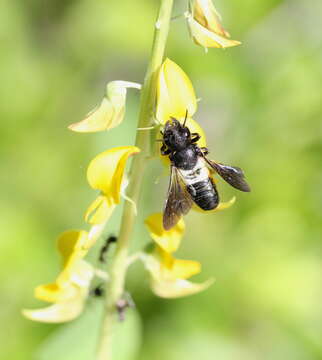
[(233, 175), (178, 201)]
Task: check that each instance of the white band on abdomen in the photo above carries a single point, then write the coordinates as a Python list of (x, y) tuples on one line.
[(199, 173)]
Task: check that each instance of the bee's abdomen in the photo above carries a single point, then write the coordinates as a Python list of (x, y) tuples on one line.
[(204, 194)]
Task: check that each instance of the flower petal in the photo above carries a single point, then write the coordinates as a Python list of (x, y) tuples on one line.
[(116, 92), (184, 269), (168, 275), (57, 313), (164, 267), (67, 307), (175, 93), (72, 246), (221, 206), (105, 171), (206, 14), (172, 268), (110, 112), (167, 240), (54, 292), (178, 288), (225, 204), (98, 119), (94, 234), (206, 38), (82, 274), (100, 210)]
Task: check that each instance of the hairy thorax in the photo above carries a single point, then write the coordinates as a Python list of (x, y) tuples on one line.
[(185, 159)]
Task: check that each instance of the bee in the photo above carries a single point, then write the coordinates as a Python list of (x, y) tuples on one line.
[(190, 180)]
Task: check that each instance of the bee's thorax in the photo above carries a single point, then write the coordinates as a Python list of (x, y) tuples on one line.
[(185, 159)]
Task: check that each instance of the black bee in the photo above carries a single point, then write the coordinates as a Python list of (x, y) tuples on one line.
[(190, 180)]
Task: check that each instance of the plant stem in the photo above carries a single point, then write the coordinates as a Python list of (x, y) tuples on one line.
[(115, 285)]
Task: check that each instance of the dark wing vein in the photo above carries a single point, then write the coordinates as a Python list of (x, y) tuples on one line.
[(178, 201)]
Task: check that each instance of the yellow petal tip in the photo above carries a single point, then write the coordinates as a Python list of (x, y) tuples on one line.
[(179, 288)]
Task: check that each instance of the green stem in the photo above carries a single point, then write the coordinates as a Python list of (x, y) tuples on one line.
[(117, 270)]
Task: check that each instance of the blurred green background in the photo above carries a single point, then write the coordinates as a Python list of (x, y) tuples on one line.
[(261, 109)]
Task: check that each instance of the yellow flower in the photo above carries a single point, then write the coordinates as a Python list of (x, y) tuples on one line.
[(70, 299), (176, 96), (167, 240), (105, 173), (110, 112), (205, 27), (70, 289), (175, 93), (168, 274)]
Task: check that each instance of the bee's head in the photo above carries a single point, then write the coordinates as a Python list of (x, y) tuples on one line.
[(176, 136)]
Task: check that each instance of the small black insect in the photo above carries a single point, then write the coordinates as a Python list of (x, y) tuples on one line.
[(98, 291), (111, 239), (190, 180)]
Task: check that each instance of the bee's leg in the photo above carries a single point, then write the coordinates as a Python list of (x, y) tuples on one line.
[(195, 137), (201, 151), (164, 150), (204, 151)]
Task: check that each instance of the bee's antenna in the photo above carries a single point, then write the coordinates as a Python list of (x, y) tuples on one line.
[(185, 118)]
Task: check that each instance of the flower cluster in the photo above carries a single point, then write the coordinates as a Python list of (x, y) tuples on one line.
[(71, 288), (175, 98)]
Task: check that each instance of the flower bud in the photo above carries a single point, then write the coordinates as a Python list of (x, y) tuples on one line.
[(205, 27)]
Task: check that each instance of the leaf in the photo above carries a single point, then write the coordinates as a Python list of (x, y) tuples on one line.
[(78, 340)]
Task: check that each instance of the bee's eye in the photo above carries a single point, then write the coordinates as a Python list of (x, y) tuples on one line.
[(186, 133)]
